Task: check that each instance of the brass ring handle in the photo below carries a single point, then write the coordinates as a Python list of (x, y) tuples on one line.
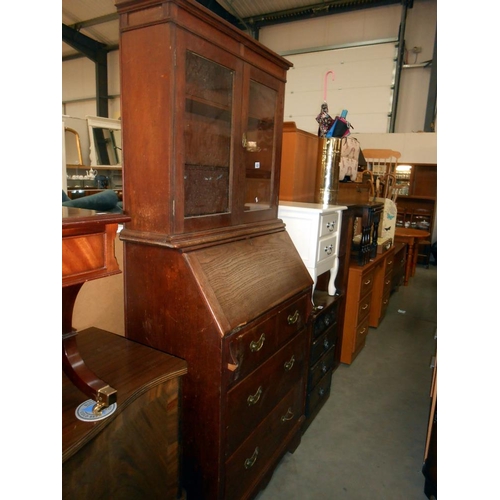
[(364, 307), (362, 331), (289, 364), (288, 416), (389, 263), (368, 282), (250, 461), (386, 301), (387, 282), (257, 345), (252, 399), (292, 319)]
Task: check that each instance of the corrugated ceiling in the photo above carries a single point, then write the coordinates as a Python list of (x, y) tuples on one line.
[(98, 20)]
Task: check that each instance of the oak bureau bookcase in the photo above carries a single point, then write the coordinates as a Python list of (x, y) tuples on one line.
[(210, 273)]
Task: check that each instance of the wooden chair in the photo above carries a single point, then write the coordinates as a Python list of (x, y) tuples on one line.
[(381, 161)]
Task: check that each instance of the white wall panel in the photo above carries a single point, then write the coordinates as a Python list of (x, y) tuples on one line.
[(362, 84)]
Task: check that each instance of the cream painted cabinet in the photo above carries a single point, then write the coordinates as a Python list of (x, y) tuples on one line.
[(315, 232)]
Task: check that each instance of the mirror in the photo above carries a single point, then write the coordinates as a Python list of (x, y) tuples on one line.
[(73, 147), (105, 141)]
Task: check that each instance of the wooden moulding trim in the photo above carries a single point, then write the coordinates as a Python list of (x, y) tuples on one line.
[(134, 14), (195, 241)]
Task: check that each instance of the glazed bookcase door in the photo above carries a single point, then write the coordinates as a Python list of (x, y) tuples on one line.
[(261, 149), (206, 175)]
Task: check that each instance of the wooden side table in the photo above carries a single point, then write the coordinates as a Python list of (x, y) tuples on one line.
[(133, 452), (88, 253), (411, 237)]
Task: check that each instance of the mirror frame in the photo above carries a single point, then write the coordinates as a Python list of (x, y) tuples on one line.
[(78, 147), (100, 122)]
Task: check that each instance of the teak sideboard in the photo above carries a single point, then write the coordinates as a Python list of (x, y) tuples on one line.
[(210, 273)]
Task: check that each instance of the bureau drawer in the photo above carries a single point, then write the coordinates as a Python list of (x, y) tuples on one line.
[(320, 369), (253, 398), (364, 307), (325, 320), (323, 343), (262, 447), (329, 223), (366, 283), (327, 248), (292, 318), (251, 347)]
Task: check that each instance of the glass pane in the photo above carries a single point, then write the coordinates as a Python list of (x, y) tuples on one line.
[(207, 136), (259, 147)]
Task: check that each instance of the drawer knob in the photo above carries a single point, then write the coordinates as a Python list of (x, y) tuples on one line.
[(257, 345), (329, 250), (321, 392), (250, 461), (326, 344), (289, 364), (324, 368), (252, 399), (330, 226), (288, 416), (293, 318)]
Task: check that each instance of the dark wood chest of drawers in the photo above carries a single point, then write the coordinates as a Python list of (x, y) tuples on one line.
[(323, 356)]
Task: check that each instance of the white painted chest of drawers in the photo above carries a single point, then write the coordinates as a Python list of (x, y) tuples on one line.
[(315, 232)]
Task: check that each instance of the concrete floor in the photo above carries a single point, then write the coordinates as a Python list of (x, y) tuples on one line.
[(368, 440)]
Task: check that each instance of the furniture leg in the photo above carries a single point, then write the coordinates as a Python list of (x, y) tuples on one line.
[(73, 365), (409, 261)]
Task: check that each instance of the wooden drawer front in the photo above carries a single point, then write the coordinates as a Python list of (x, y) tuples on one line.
[(361, 332), (364, 307), (366, 283), (291, 319), (253, 398), (320, 392), (250, 348), (327, 248), (389, 264), (325, 320), (385, 303), (319, 370), (323, 343), (252, 458), (329, 224)]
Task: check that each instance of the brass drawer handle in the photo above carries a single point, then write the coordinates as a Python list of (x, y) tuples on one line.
[(364, 307), (252, 399), (386, 301), (362, 331), (368, 282), (389, 263), (292, 319), (330, 226), (288, 416), (288, 365), (257, 345), (250, 461), (387, 282)]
